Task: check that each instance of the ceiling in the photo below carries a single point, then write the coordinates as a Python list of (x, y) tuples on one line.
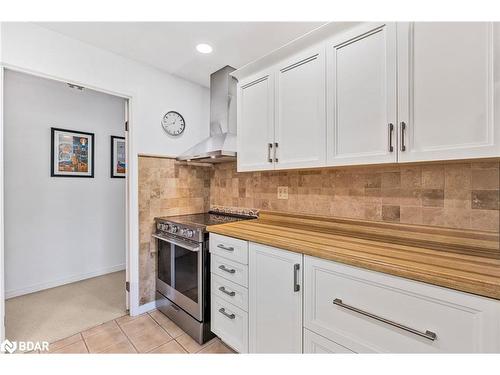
[(170, 46)]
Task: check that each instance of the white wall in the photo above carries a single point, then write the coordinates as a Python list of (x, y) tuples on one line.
[(38, 49), (2, 297), (59, 229), (33, 48)]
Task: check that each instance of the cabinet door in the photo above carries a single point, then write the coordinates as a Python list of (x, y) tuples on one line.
[(447, 90), (317, 344), (368, 311), (230, 323), (300, 116), (255, 123), (275, 300), (361, 96)]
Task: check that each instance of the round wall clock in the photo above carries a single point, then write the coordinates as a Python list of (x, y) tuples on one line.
[(173, 123)]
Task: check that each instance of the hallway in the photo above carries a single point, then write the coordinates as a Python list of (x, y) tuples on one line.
[(56, 313)]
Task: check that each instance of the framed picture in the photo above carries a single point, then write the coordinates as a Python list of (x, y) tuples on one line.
[(118, 157), (72, 153)]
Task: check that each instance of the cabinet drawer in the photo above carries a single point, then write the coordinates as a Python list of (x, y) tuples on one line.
[(314, 343), (375, 312), (230, 292), (229, 270), (229, 248), (230, 323)]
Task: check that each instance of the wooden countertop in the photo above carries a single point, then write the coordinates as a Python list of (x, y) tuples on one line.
[(464, 260)]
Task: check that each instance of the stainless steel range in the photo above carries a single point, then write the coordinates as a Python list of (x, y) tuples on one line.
[(183, 272)]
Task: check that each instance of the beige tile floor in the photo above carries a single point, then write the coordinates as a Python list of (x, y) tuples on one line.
[(148, 333)]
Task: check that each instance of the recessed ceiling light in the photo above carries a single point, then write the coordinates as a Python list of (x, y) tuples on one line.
[(204, 48)]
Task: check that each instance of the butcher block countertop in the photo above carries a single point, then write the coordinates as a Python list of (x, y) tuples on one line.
[(464, 260)]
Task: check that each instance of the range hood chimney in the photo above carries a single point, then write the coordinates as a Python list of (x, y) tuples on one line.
[(221, 145)]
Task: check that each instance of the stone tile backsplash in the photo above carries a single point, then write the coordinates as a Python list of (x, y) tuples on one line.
[(459, 195), (166, 188), (462, 195)]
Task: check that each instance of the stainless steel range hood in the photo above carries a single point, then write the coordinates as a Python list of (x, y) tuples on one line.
[(221, 145)]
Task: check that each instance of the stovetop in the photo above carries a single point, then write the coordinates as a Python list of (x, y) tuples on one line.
[(192, 227), (203, 219)]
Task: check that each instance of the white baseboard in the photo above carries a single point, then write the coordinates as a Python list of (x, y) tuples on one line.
[(146, 307), (66, 280)]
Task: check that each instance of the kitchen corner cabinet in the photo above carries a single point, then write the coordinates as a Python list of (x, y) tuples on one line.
[(361, 104), (275, 300), (255, 122), (448, 90)]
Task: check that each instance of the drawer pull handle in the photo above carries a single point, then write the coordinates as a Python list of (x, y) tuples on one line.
[(223, 312), (225, 291), (221, 246), (225, 269), (429, 335)]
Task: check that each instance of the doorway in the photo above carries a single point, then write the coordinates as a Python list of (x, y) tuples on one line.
[(65, 237)]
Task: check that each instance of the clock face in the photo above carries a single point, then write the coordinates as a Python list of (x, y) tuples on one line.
[(173, 123)]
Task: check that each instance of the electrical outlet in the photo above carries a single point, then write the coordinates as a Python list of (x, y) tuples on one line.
[(282, 192)]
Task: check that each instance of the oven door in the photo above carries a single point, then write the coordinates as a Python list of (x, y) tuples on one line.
[(180, 273)]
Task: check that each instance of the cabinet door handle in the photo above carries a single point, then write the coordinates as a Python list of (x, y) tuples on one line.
[(296, 285), (223, 312), (403, 132), (275, 148), (227, 248), (225, 269), (391, 131), (269, 147), (225, 291), (429, 335)]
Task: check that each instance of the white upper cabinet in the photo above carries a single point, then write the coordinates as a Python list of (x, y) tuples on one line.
[(300, 114), (375, 93), (361, 99), (448, 90), (275, 300), (255, 122)]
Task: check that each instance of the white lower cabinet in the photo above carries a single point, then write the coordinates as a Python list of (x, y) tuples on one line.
[(317, 344), (230, 323), (292, 303), (275, 300), (368, 311), (229, 292), (230, 270)]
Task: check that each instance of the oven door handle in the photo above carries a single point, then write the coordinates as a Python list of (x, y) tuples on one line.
[(184, 245)]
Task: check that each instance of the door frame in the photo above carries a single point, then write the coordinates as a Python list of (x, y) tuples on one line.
[(131, 194)]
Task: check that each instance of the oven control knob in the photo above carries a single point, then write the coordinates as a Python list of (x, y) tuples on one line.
[(189, 233), (174, 229), (165, 227)]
